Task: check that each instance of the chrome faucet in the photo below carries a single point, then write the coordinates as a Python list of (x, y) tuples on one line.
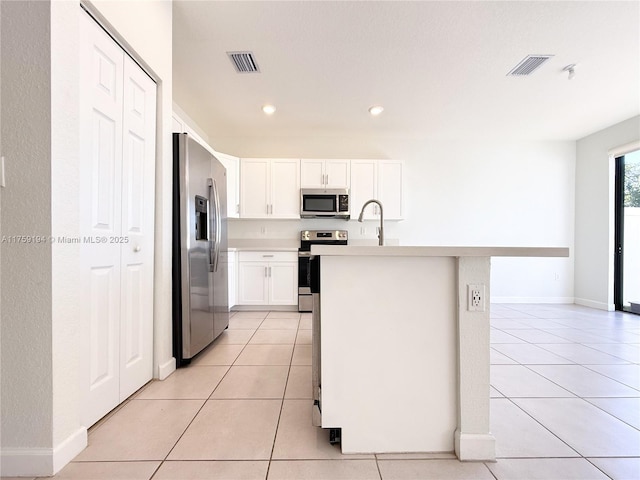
[(381, 227)]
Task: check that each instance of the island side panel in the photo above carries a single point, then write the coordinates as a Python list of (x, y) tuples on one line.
[(473, 439), (389, 352)]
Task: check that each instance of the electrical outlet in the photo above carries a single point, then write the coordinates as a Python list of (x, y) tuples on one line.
[(475, 298)]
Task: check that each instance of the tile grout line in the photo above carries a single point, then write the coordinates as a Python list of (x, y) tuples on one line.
[(286, 384), (375, 456), (596, 466), (512, 400), (544, 426), (203, 404)]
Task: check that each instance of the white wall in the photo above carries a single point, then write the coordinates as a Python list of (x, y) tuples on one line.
[(457, 193), (26, 415), (594, 212), (40, 345), (65, 271)]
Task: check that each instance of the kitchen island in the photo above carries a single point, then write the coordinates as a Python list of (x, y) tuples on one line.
[(402, 346)]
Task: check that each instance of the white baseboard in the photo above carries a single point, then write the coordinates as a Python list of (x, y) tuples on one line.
[(593, 304), (264, 308), (68, 449), (475, 446), (167, 368), (556, 300), (41, 462)]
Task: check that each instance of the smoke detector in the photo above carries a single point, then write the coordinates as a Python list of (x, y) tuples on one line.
[(244, 62), (528, 65)]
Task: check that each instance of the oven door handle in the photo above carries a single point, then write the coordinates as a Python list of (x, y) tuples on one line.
[(304, 254)]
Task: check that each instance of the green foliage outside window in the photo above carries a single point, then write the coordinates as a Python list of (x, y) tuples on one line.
[(632, 185)]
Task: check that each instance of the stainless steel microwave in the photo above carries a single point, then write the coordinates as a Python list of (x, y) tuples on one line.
[(325, 203)]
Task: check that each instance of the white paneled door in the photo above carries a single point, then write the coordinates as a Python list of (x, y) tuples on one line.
[(117, 176)]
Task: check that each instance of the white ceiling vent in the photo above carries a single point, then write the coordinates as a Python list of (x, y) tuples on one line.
[(244, 62), (529, 65)]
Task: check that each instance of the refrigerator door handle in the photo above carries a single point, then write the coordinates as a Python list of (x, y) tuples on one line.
[(213, 226), (218, 222)]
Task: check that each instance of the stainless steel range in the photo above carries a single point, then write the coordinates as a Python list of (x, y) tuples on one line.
[(308, 238)]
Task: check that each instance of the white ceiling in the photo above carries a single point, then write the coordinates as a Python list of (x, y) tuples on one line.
[(438, 68)]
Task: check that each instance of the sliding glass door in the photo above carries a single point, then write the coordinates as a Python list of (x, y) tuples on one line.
[(627, 235)]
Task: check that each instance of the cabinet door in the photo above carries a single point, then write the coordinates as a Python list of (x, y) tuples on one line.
[(233, 279), (283, 283), (285, 188), (390, 192), (363, 187), (254, 191), (337, 173), (252, 283), (312, 173), (232, 164)]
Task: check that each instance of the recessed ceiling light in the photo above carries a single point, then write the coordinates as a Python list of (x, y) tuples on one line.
[(268, 109), (376, 110)]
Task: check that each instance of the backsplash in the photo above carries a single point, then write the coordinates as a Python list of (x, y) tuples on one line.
[(290, 229)]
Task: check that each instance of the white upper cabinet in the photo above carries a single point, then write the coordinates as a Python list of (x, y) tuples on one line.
[(381, 180), (269, 188), (363, 187), (255, 187), (232, 164), (325, 173)]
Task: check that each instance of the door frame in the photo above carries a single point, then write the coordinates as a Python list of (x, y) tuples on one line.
[(614, 153), (618, 233)]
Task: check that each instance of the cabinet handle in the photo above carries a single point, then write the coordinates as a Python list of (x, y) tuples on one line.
[(136, 248), (327, 182), (267, 256), (265, 272), (269, 271)]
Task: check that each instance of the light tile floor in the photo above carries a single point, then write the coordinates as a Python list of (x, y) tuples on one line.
[(565, 405)]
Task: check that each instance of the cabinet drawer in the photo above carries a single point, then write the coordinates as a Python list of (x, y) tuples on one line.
[(267, 256)]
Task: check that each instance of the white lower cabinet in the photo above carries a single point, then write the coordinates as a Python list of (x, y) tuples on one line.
[(267, 278), (233, 278)]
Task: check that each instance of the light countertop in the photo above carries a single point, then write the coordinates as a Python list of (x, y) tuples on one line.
[(439, 251)]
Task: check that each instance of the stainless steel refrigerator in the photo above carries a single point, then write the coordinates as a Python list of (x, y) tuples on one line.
[(200, 257)]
